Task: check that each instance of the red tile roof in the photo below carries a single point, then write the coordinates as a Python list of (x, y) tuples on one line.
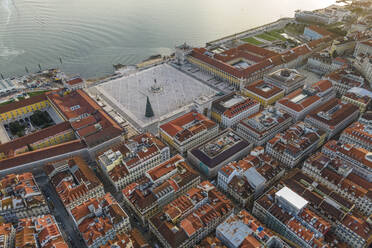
[(320, 30), (9, 147), (338, 113), (175, 128), (43, 153), (25, 102), (320, 86), (256, 88), (75, 81)]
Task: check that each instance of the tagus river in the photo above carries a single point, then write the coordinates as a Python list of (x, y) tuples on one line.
[(91, 35)]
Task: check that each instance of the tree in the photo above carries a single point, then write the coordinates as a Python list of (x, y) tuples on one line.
[(16, 128), (149, 112), (40, 118)]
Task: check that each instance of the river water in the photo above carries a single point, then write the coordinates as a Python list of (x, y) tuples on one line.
[(91, 35)]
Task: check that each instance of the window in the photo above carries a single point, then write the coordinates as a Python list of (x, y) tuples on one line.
[(73, 108)]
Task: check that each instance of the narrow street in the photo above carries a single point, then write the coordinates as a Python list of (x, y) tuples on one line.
[(134, 221), (57, 209)]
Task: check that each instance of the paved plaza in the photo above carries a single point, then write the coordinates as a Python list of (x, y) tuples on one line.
[(169, 90)]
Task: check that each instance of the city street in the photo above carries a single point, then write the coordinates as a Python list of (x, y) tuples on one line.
[(71, 235)]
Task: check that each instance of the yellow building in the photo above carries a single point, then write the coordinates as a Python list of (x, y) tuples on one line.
[(50, 136), (265, 93), (15, 110), (236, 82)]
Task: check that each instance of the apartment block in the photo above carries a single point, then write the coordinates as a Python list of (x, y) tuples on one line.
[(7, 233), (363, 62), (343, 45), (345, 79), (132, 239), (333, 116), (291, 146), (211, 241), (288, 213), (21, 197), (191, 217), (263, 92), (216, 152), (264, 125), (338, 175), (358, 134), (159, 186), (246, 179), (89, 121), (232, 108), (347, 225), (126, 162), (244, 230), (40, 231), (237, 66), (363, 47), (100, 220), (323, 63), (313, 16), (360, 97), (301, 102), (366, 118), (73, 181), (359, 158), (286, 79), (187, 131)]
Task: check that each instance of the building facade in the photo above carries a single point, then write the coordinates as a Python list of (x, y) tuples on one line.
[(360, 97), (287, 213), (128, 161), (159, 186), (244, 230), (292, 145), (338, 175), (333, 116), (265, 93), (15, 110), (246, 179), (190, 218), (264, 125), (287, 79), (100, 220), (359, 158), (74, 181), (301, 102), (344, 79), (358, 134), (188, 131), (213, 154), (232, 108), (21, 197)]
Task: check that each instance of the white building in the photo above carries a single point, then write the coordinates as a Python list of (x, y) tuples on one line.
[(301, 102), (128, 161)]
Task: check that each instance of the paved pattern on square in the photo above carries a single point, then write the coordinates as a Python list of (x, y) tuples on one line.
[(177, 92)]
